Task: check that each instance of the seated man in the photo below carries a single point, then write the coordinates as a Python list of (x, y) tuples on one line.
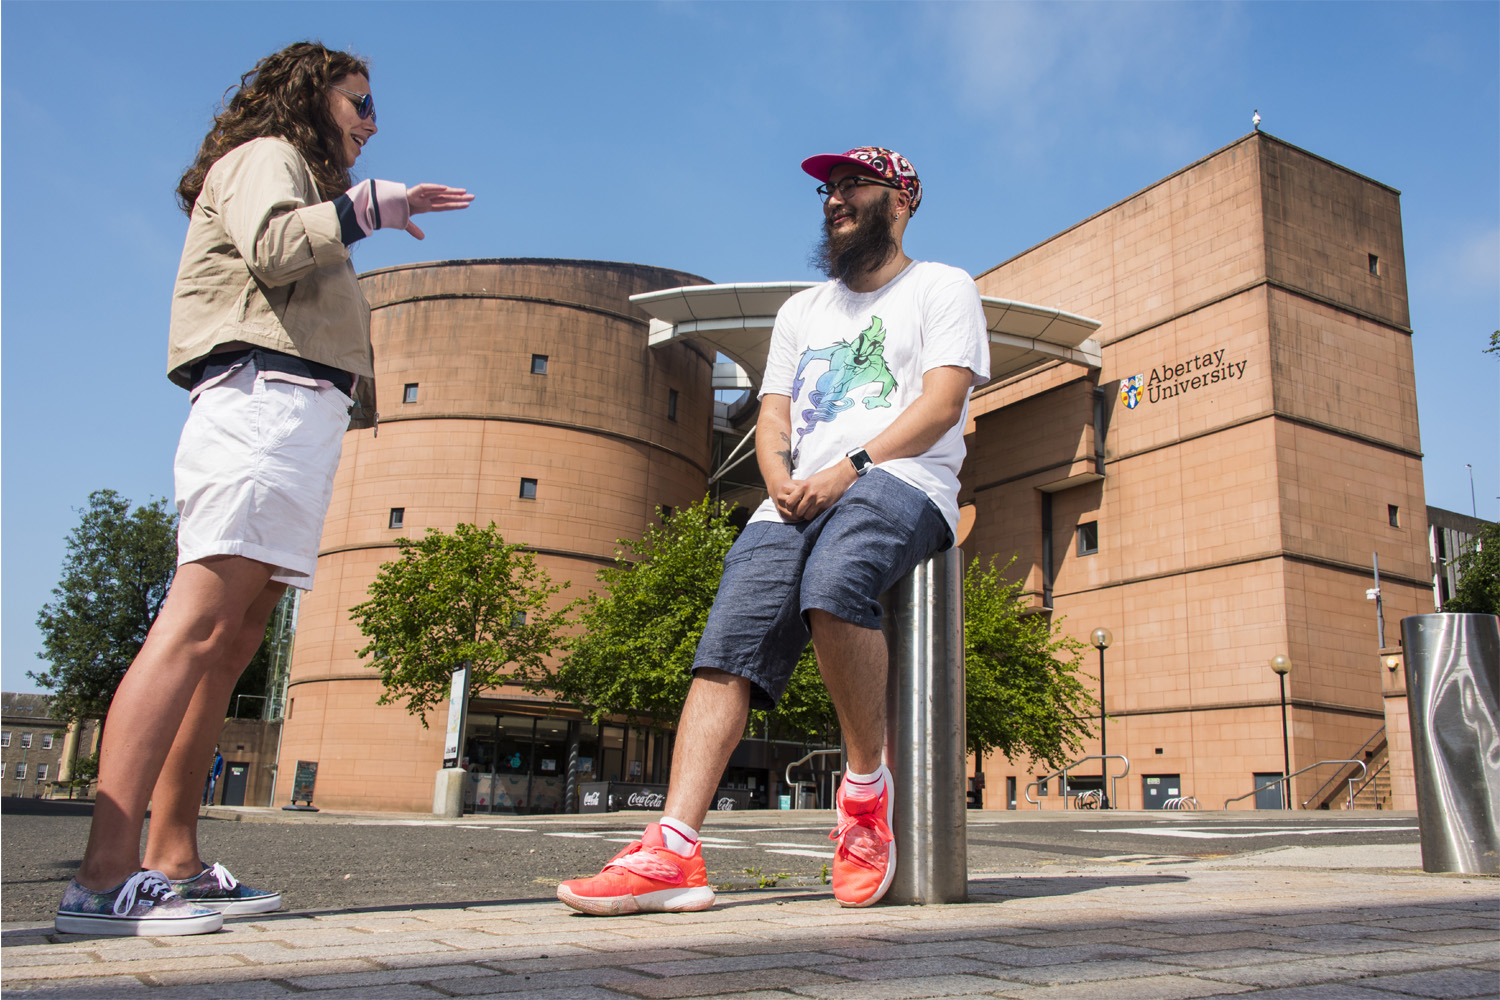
[(860, 438)]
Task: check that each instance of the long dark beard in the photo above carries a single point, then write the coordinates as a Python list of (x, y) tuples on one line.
[(861, 250)]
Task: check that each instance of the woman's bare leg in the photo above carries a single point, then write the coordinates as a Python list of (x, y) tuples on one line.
[(172, 838), (198, 629)]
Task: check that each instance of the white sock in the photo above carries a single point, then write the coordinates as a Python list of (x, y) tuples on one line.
[(865, 786), (678, 836)]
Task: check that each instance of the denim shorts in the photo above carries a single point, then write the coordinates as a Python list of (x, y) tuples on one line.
[(839, 562), (254, 472)]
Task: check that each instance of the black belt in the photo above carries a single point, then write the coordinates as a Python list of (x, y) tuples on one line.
[(263, 359)]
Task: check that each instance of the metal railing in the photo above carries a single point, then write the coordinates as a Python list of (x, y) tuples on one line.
[(1181, 802), (1289, 777), (796, 786), (1379, 734), (1063, 771), (1366, 783)]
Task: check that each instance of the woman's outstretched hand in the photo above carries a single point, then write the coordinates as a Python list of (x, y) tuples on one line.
[(434, 198)]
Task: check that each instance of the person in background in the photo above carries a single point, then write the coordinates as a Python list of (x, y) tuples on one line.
[(270, 336), (216, 769)]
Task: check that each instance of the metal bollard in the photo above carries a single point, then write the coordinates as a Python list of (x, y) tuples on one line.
[(1453, 690), (925, 732)]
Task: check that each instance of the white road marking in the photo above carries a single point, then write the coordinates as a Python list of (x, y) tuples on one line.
[(580, 836), (781, 843), (803, 854), (1201, 834)]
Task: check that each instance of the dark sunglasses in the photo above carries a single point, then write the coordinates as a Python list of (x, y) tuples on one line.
[(364, 104)]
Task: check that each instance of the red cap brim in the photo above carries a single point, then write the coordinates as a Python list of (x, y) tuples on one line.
[(822, 165)]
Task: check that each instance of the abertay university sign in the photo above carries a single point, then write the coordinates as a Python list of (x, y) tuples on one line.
[(1168, 381)]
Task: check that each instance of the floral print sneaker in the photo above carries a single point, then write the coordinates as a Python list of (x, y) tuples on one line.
[(144, 904), (218, 890)]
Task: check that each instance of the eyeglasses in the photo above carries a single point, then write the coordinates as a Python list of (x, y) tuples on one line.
[(846, 187), (364, 104)]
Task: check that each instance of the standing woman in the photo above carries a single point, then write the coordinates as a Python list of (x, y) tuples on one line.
[(270, 335)]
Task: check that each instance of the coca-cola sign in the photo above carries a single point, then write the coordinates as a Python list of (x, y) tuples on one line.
[(646, 800), (724, 804), (591, 798)]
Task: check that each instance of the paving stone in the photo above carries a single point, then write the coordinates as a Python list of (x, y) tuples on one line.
[(976, 947), (594, 959), (1229, 958), (729, 984), (611, 978), (351, 980), (906, 989), (740, 963), (1083, 972), (1446, 984), (591, 993), (406, 991), (1346, 946), (1456, 935), (73, 968), (940, 965), (1149, 988), (98, 988), (245, 973), (1217, 942), (1008, 954), (1437, 922), (1391, 961), (1326, 991)]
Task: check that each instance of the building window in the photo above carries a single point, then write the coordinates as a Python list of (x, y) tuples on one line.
[(20, 770), (517, 619), (539, 364), (1375, 265), (1393, 513), (398, 517), (409, 394), (25, 741), (46, 741), (528, 489), (41, 772), (666, 513), (4, 739), (1088, 538), (671, 404), (1041, 786)]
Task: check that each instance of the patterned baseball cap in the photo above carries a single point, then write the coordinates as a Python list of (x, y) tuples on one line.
[(887, 164)]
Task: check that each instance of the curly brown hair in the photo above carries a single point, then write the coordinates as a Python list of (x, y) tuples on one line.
[(285, 95)]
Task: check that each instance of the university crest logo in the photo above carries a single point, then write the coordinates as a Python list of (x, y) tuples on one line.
[(1130, 390)]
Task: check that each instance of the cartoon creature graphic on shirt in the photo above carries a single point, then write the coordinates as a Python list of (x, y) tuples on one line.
[(851, 367)]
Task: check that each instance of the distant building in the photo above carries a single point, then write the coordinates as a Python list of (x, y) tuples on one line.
[(37, 751), (1448, 534)]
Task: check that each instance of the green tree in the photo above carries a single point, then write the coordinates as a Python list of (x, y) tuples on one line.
[(468, 596), (1478, 566), (1022, 692), (115, 576), (634, 657)]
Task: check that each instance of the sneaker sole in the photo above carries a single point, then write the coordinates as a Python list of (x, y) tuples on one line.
[(138, 926), (241, 907), (662, 901)]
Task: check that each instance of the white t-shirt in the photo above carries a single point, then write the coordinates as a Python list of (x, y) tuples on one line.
[(852, 362)]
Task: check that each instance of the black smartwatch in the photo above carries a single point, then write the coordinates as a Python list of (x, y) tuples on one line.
[(860, 459)]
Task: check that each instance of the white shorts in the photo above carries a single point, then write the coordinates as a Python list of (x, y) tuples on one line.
[(254, 472)]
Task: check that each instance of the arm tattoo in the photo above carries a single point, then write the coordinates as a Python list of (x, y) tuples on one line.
[(786, 454)]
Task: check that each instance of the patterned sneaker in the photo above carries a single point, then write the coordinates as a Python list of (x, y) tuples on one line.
[(865, 860), (643, 878), (218, 890), (143, 905)]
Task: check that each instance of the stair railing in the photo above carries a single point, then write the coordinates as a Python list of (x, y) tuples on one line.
[(1282, 781), (1379, 734)]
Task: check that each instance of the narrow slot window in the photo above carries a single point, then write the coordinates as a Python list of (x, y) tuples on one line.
[(1088, 538), (671, 404), (528, 489), (1393, 514), (409, 394), (398, 517), (539, 364), (1375, 265)]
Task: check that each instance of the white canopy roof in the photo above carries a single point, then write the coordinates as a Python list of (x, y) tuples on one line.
[(736, 320)]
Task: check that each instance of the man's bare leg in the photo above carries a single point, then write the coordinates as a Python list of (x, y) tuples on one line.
[(172, 840), (713, 720), (853, 661)]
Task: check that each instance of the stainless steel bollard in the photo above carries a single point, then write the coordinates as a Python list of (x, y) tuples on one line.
[(925, 732), (1453, 693)]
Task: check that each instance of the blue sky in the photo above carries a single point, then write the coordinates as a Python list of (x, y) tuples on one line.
[(669, 134)]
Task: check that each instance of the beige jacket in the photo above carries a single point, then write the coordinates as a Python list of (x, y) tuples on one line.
[(263, 264)]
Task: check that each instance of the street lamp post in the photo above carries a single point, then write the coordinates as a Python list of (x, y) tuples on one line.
[(1101, 638), (1281, 663)]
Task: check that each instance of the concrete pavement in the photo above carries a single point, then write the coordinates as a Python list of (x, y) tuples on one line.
[(1358, 922)]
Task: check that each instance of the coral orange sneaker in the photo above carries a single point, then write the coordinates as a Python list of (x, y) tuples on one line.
[(865, 860), (643, 878)]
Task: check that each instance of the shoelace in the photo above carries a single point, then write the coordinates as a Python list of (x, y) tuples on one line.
[(862, 836), (226, 881), (152, 884)]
